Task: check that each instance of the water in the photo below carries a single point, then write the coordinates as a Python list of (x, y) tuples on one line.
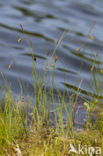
[(43, 23)]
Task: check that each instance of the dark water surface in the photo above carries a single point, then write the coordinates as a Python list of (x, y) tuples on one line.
[(43, 23)]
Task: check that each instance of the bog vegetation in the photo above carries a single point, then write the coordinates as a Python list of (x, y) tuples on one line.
[(30, 130)]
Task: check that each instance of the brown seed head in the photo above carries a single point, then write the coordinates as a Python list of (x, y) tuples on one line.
[(9, 67), (57, 42), (91, 37), (56, 58), (20, 39)]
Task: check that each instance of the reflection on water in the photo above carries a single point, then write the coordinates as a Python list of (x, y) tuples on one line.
[(43, 23)]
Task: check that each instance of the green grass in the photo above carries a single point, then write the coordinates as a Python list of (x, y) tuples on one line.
[(25, 133), (33, 133)]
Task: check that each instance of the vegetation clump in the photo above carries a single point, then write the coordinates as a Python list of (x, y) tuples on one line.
[(27, 130)]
